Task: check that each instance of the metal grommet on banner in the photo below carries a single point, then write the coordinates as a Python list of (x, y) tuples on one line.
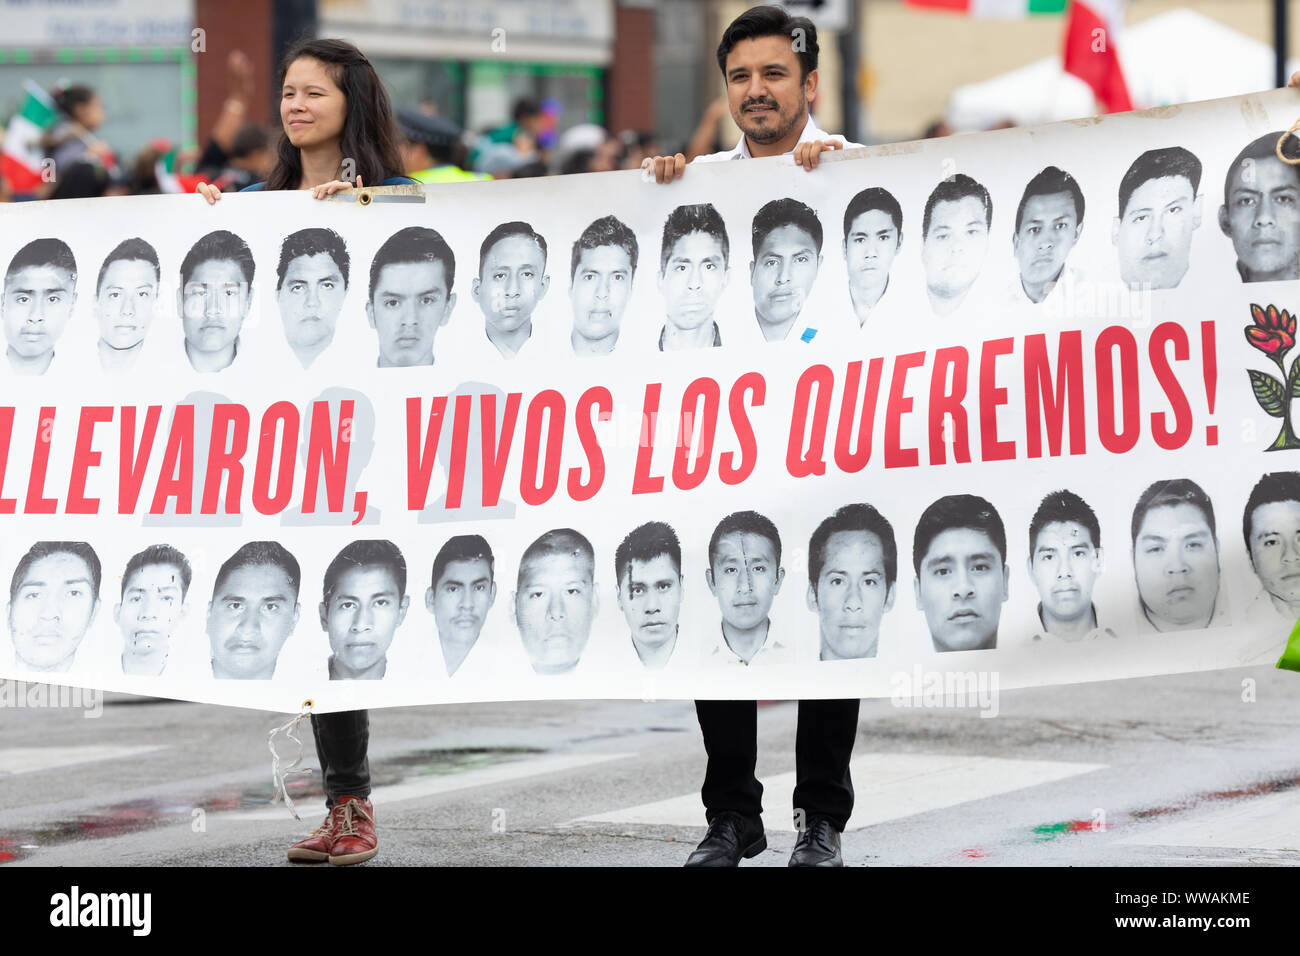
[(1293, 131), (279, 787), (364, 197)]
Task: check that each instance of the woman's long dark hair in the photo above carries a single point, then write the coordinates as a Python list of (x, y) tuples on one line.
[(369, 136)]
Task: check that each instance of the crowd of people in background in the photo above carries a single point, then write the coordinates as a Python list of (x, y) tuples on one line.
[(434, 149)]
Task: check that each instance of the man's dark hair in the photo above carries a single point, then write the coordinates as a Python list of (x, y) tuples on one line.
[(413, 244), (160, 554), (871, 198), (1059, 507), (954, 189), (257, 553), (1167, 494), (43, 549), (1157, 164), (250, 138), (1261, 149), (462, 547), (525, 107), (505, 231), (562, 541), (605, 231), (771, 21), (219, 245), (1049, 182), (366, 553), (645, 543), (785, 212), (310, 242), (957, 511), (684, 220), (745, 522), (43, 252), (1272, 488), (130, 250), (858, 516)]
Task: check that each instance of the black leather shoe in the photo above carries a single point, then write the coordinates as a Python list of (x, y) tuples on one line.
[(818, 844), (730, 839)]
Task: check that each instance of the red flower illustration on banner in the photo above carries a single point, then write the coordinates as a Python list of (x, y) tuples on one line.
[(1273, 333)]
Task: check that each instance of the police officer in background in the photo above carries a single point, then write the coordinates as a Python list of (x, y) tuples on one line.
[(430, 147)]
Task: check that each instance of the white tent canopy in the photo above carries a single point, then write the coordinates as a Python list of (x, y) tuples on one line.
[(1176, 57)]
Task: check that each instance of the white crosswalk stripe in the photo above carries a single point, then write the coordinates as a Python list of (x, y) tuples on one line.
[(446, 783), (886, 787), (1269, 822), (30, 759)]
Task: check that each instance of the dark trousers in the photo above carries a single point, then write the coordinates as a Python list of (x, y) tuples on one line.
[(823, 745), (341, 742)]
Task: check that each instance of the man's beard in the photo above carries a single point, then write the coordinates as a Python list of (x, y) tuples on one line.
[(765, 136)]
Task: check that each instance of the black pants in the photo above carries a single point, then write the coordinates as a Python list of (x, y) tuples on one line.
[(823, 745), (341, 742)]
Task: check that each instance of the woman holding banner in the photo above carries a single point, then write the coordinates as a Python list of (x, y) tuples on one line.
[(338, 126)]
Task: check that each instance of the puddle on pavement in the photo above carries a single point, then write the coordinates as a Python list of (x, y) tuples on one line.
[(132, 816)]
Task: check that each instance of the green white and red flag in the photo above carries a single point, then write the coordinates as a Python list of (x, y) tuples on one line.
[(22, 156)]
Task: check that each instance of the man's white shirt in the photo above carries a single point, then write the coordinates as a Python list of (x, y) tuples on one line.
[(741, 149)]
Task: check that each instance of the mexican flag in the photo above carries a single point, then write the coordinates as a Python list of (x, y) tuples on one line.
[(1005, 9), (1091, 34), (20, 161), (169, 180), (1094, 28)]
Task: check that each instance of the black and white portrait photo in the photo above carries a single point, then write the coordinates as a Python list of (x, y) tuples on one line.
[(254, 609), (214, 297), (411, 278), (745, 576), (1065, 559), (954, 240), (510, 284), (1261, 210), (852, 570), (1271, 525), (1159, 212), (1049, 221), (693, 271), (462, 590), (873, 234), (40, 291), (155, 585), (53, 598), (600, 276), (1176, 557), (648, 568), (959, 553), (125, 295), (311, 284), (363, 603), (555, 600), (787, 239)]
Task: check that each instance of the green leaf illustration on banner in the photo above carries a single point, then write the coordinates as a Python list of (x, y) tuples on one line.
[(1273, 332), (1268, 392)]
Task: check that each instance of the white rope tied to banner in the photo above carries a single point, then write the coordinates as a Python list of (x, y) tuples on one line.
[(279, 788)]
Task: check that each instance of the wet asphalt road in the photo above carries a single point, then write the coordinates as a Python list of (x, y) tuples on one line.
[(1173, 770)]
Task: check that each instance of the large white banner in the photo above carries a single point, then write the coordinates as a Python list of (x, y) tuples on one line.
[(1013, 407)]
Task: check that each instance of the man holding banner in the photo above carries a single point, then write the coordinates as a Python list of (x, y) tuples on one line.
[(769, 62)]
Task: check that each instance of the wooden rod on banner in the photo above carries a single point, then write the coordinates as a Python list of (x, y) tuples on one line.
[(370, 194)]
